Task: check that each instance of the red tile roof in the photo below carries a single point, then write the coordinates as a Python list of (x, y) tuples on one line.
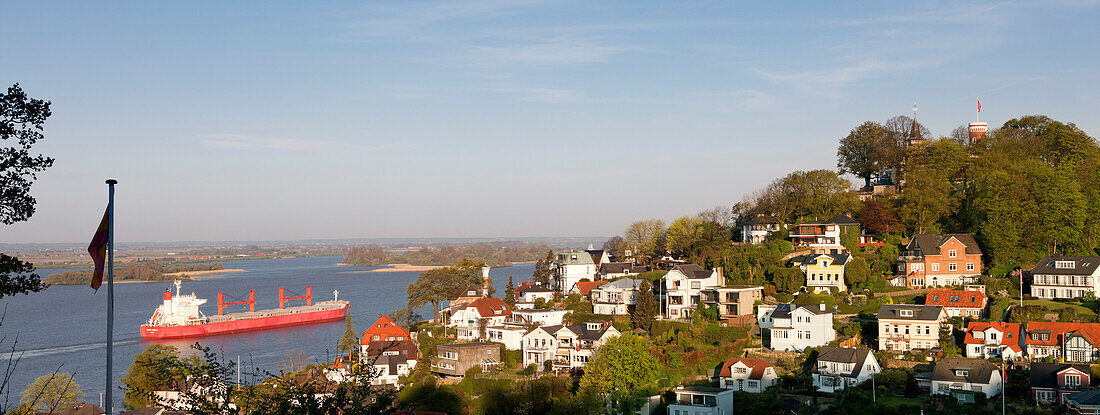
[(491, 306), (585, 287), (1010, 338), (756, 365), (385, 329), (967, 299), (1091, 331)]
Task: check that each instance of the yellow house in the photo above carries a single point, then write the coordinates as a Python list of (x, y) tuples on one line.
[(825, 272)]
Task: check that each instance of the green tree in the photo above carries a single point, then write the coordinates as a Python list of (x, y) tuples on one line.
[(802, 195), (645, 238), (645, 308), (510, 293), (856, 272), (925, 200), (349, 341), (51, 393), (787, 280), (406, 317), (542, 273), (624, 364), (862, 152), (684, 234), (151, 370), (438, 285)]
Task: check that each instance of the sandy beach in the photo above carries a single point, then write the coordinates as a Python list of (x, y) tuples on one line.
[(201, 273), (398, 268)]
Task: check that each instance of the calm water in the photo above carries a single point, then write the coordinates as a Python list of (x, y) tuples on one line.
[(66, 325)]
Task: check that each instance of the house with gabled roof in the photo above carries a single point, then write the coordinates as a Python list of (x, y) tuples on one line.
[(960, 377), (903, 327), (584, 288), (993, 340), (747, 375), (1051, 383), (958, 303), (795, 327), (839, 368), (935, 260), (1056, 277), (824, 272), (469, 319), (570, 267), (1072, 342), (525, 298), (615, 270), (386, 337), (566, 347), (683, 287), (1083, 403), (616, 297), (755, 230)]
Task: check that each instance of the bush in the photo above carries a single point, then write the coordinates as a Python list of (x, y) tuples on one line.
[(476, 370), (529, 370)]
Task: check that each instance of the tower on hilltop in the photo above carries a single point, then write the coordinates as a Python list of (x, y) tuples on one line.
[(977, 128), (915, 137)]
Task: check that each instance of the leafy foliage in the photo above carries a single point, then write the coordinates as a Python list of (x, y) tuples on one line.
[(646, 308), (52, 392), (144, 271), (438, 285), (495, 254), (623, 364)]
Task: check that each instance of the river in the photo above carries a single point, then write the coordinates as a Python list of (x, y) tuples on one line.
[(65, 325)]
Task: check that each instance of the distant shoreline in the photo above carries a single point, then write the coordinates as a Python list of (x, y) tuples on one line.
[(198, 273), (396, 268)]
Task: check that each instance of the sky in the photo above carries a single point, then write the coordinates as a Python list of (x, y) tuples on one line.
[(484, 118)]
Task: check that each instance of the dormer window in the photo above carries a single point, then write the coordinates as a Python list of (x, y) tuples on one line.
[(979, 335), (962, 373), (593, 326), (906, 313), (1063, 264)]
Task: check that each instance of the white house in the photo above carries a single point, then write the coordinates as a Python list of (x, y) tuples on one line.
[(683, 287), (903, 327), (701, 400), (839, 368), (996, 339), (525, 299), (1057, 277), (959, 374), (390, 367), (570, 267), (615, 270), (468, 320), (796, 327), (617, 297), (747, 375), (568, 347), (538, 316), (510, 335), (756, 229)]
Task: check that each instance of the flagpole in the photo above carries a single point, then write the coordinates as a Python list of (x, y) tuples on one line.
[(110, 290)]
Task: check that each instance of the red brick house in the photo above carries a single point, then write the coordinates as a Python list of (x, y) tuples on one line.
[(936, 260), (387, 337)]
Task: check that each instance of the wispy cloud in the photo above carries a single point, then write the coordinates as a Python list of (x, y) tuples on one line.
[(237, 141)]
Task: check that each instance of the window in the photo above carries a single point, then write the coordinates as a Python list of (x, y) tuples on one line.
[(952, 253), (695, 285), (906, 313), (739, 370), (969, 266), (935, 266), (1073, 380), (952, 267), (1063, 264)]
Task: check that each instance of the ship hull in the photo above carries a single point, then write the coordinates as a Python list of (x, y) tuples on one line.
[(242, 325)]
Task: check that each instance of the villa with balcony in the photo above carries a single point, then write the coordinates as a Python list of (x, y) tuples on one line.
[(825, 236), (567, 347), (702, 400), (1066, 277), (733, 301)]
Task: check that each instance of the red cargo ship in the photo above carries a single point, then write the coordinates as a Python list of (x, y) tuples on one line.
[(180, 317)]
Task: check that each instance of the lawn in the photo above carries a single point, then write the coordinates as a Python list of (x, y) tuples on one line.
[(892, 401), (1055, 305)]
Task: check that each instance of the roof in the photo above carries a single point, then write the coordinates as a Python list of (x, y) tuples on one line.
[(82, 408), (491, 306), (1086, 398), (1011, 331), (584, 333), (844, 355), (621, 268), (1044, 375), (784, 310), (622, 284), (920, 312), (1058, 331), (693, 271), (585, 287), (756, 365), (978, 370), (930, 243), (384, 328), (836, 220), (536, 289), (1082, 265), (392, 361), (762, 219), (838, 259), (956, 298), (595, 254), (583, 258), (701, 389), (467, 345)]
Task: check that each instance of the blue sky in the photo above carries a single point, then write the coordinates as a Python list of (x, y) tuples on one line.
[(264, 120)]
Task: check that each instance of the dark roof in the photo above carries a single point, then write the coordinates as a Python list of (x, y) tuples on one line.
[(537, 289), (844, 355), (979, 370), (1043, 375), (1086, 398), (836, 220), (466, 345), (392, 361), (701, 389), (596, 254), (812, 259), (761, 220), (929, 243), (693, 271), (584, 333), (920, 312), (1082, 265), (784, 310), (621, 268)]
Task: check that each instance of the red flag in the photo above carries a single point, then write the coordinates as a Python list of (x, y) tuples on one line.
[(979, 105), (98, 250)]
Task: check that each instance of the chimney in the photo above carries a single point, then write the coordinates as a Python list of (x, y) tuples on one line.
[(821, 306), (721, 276)]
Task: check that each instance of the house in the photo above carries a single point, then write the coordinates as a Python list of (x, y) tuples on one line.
[(684, 285), (733, 301), (537, 316), (1073, 342), (701, 400), (824, 272), (747, 375), (385, 337), (795, 327), (510, 335), (570, 267), (599, 256), (934, 260), (826, 236), (456, 359), (617, 297), (85, 408), (987, 340), (1051, 383), (839, 368), (389, 368), (584, 288), (488, 311), (1066, 277), (756, 229), (1083, 403), (615, 270), (567, 347), (958, 303), (904, 327), (966, 375), (526, 297)]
